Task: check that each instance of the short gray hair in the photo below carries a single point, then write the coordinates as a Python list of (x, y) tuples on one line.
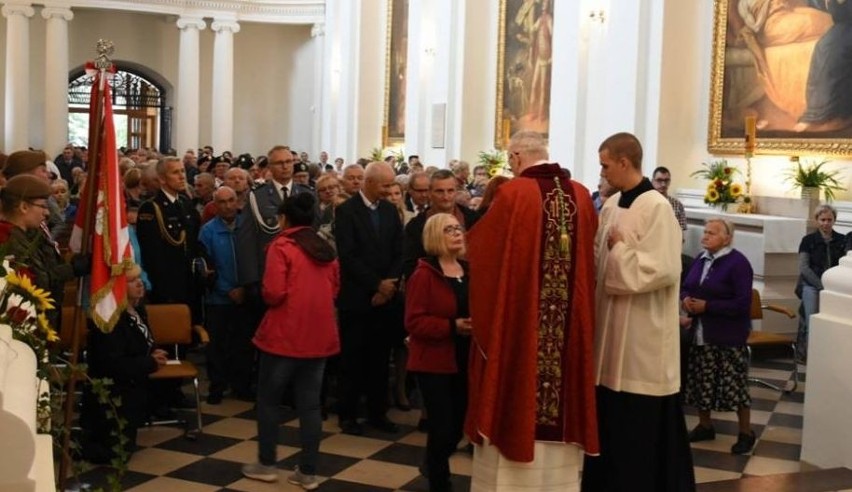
[(727, 224), (823, 209)]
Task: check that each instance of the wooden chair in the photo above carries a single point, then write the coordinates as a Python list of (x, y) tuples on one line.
[(171, 324), (763, 339)]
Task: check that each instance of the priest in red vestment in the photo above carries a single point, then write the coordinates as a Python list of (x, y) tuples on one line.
[(532, 309)]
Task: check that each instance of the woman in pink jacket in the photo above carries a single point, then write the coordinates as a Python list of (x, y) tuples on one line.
[(297, 334)]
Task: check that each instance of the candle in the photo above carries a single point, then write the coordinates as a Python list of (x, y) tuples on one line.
[(750, 134), (507, 132)]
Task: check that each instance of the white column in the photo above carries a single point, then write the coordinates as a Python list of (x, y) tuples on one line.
[(56, 78), (318, 108), (17, 118), (222, 131), (188, 121)]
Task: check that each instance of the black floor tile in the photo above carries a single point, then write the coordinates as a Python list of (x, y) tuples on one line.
[(421, 484), (205, 445), (719, 460), (763, 404), (401, 454), (786, 420), (404, 430), (332, 485), (780, 450), (285, 414), (328, 465), (97, 478), (210, 471), (797, 397)]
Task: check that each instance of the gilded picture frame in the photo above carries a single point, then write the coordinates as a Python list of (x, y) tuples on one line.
[(784, 68), (524, 68), (396, 61)]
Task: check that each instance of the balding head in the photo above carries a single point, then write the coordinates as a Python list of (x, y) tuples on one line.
[(378, 179), (225, 199), (237, 179)]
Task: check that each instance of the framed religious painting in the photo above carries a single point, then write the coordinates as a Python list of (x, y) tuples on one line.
[(524, 68), (396, 57), (783, 64)]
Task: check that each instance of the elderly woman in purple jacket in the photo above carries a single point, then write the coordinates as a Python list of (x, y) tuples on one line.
[(717, 296)]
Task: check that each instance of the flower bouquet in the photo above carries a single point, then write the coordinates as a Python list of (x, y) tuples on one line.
[(496, 161), (721, 189), (23, 307)]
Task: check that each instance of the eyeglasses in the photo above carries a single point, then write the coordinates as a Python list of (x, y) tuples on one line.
[(39, 205), (662, 180), (454, 229)]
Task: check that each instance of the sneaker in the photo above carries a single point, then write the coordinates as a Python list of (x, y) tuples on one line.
[(259, 471), (307, 482), (701, 433), (744, 444)]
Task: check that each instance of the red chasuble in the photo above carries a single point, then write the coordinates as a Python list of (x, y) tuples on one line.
[(532, 306)]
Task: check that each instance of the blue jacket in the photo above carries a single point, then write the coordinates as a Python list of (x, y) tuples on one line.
[(217, 241)]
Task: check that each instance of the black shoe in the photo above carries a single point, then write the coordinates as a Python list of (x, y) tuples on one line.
[(701, 433), (744, 444), (351, 427), (384, 425), (214, 398), (423, 425)]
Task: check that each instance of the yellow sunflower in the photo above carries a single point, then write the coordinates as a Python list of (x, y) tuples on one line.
[(736, 190), (712, 196), (49, 332), (23, 283)]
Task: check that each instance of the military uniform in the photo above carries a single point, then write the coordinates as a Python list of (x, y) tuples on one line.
[(168, 238), (257, 228)]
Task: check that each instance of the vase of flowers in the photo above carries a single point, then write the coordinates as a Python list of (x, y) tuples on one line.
[(721, 190), (496, 161)]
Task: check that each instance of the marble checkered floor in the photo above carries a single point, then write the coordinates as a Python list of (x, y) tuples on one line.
[(379, 461)]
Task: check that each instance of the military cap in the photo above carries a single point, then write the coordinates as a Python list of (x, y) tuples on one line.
[(23, 162)]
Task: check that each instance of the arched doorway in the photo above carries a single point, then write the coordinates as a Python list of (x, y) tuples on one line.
[(142, 118)]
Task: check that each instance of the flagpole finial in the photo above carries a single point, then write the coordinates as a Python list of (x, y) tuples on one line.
[(105, 49)]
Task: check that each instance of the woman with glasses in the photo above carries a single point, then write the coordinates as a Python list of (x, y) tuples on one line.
[(438, 321), (23, 202)]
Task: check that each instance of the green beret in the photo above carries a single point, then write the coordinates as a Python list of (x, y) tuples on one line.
[(27, 187)]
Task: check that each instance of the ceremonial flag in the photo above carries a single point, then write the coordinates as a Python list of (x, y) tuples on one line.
[(102, 213)]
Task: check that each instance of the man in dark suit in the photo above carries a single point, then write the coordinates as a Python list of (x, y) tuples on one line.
[(369, 244), (442, 196), (417, 196)]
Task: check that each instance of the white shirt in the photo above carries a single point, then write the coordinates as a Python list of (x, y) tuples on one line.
[(172, 198), (367, 202), (279, 187)]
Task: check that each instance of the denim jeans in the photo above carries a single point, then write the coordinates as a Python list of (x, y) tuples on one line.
[(810, 306), (276, 372)]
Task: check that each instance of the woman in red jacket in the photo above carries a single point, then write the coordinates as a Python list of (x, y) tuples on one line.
[(297, 334), (437, 319)]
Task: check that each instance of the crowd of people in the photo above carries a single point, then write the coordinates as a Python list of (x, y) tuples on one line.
[(527, 313)]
